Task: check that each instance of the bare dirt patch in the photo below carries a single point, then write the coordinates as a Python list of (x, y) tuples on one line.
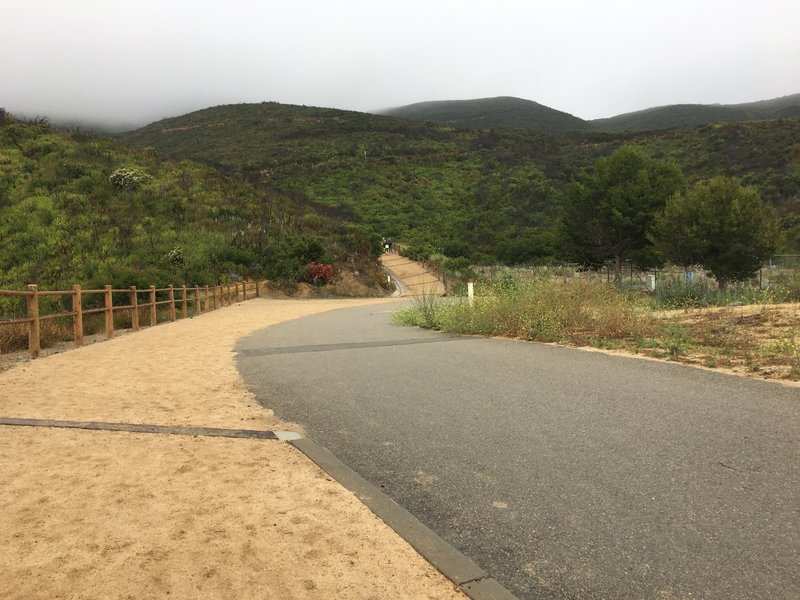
[(98, 514), (761, 341)]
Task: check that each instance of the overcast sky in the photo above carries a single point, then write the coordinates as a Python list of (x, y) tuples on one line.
[(138, 61)]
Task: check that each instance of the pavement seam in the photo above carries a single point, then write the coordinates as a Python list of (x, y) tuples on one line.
[(468, 577), (157, 429)]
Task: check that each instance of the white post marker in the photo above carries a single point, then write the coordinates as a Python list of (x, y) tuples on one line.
[(471, 292)]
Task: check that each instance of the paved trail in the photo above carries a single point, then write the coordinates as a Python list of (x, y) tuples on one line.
[(563, 473)]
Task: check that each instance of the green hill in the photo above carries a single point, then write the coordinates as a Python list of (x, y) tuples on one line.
[(486, 194), (487, 113), (693, 115), (75, 208), (516, 113)]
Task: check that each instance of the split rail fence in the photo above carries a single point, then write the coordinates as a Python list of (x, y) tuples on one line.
[(178, 300)]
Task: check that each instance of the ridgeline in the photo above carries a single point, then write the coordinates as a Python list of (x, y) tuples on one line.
[(486, 194)]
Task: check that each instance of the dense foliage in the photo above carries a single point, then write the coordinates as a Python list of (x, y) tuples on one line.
[(78, 209), (488, 195), (611, 216), (719, 224)]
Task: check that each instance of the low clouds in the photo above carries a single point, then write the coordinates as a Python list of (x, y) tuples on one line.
[(139, 61)]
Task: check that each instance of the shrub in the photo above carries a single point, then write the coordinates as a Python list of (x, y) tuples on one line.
[(319, 273), (127, 178)]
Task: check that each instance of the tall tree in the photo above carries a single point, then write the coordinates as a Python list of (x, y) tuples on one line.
[(609, 216), (721, 225)]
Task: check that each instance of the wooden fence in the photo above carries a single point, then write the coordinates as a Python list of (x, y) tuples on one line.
[(178, 300)]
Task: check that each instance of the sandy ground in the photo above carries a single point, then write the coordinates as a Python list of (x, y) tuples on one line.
[(418, 280), (97, 514)]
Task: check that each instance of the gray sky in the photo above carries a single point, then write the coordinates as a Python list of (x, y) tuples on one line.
[(138, 61)]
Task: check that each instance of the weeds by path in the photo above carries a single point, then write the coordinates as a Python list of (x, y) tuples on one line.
[(762, 340)]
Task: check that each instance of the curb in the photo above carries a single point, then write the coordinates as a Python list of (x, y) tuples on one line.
[(468, 577), (256, 434), (400, 287)]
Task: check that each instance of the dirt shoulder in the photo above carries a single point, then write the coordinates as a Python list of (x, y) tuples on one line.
[(98, 514)]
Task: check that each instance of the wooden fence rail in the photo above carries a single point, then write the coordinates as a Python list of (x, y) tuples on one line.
[(204, 298)]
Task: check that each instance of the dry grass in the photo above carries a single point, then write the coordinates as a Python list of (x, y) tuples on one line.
[(757, 340)]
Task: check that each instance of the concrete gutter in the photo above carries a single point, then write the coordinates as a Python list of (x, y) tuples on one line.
[(401, 289), (468, 577)]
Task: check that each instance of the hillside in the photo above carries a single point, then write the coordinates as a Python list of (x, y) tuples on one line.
[(425, 184), (488, 113), (487, 194), (516, 113), (75, 208), (693, 115)]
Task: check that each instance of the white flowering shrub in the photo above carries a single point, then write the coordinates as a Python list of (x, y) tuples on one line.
[(128, 178)]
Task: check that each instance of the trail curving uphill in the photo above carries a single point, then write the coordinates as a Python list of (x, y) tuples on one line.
[(411, 278)]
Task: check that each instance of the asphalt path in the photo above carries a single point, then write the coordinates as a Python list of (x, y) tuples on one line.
[(563, 473)]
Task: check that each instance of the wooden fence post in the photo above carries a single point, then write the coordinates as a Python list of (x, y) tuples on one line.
[(258, 294), (172, 314), (34, 326), (109, 303), (134, 309), (205, 299), (153, 311), (197, 307), (184, 306), (77, 317)]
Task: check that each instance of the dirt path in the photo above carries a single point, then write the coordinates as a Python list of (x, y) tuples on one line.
[(416, 278), (100, 514)]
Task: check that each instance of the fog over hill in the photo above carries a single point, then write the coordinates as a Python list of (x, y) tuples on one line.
[(517, 113)]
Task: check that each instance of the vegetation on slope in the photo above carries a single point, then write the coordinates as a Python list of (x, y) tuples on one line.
[(486, 195), (516, 113), (486, 113), (79, 209), (693, 115)]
